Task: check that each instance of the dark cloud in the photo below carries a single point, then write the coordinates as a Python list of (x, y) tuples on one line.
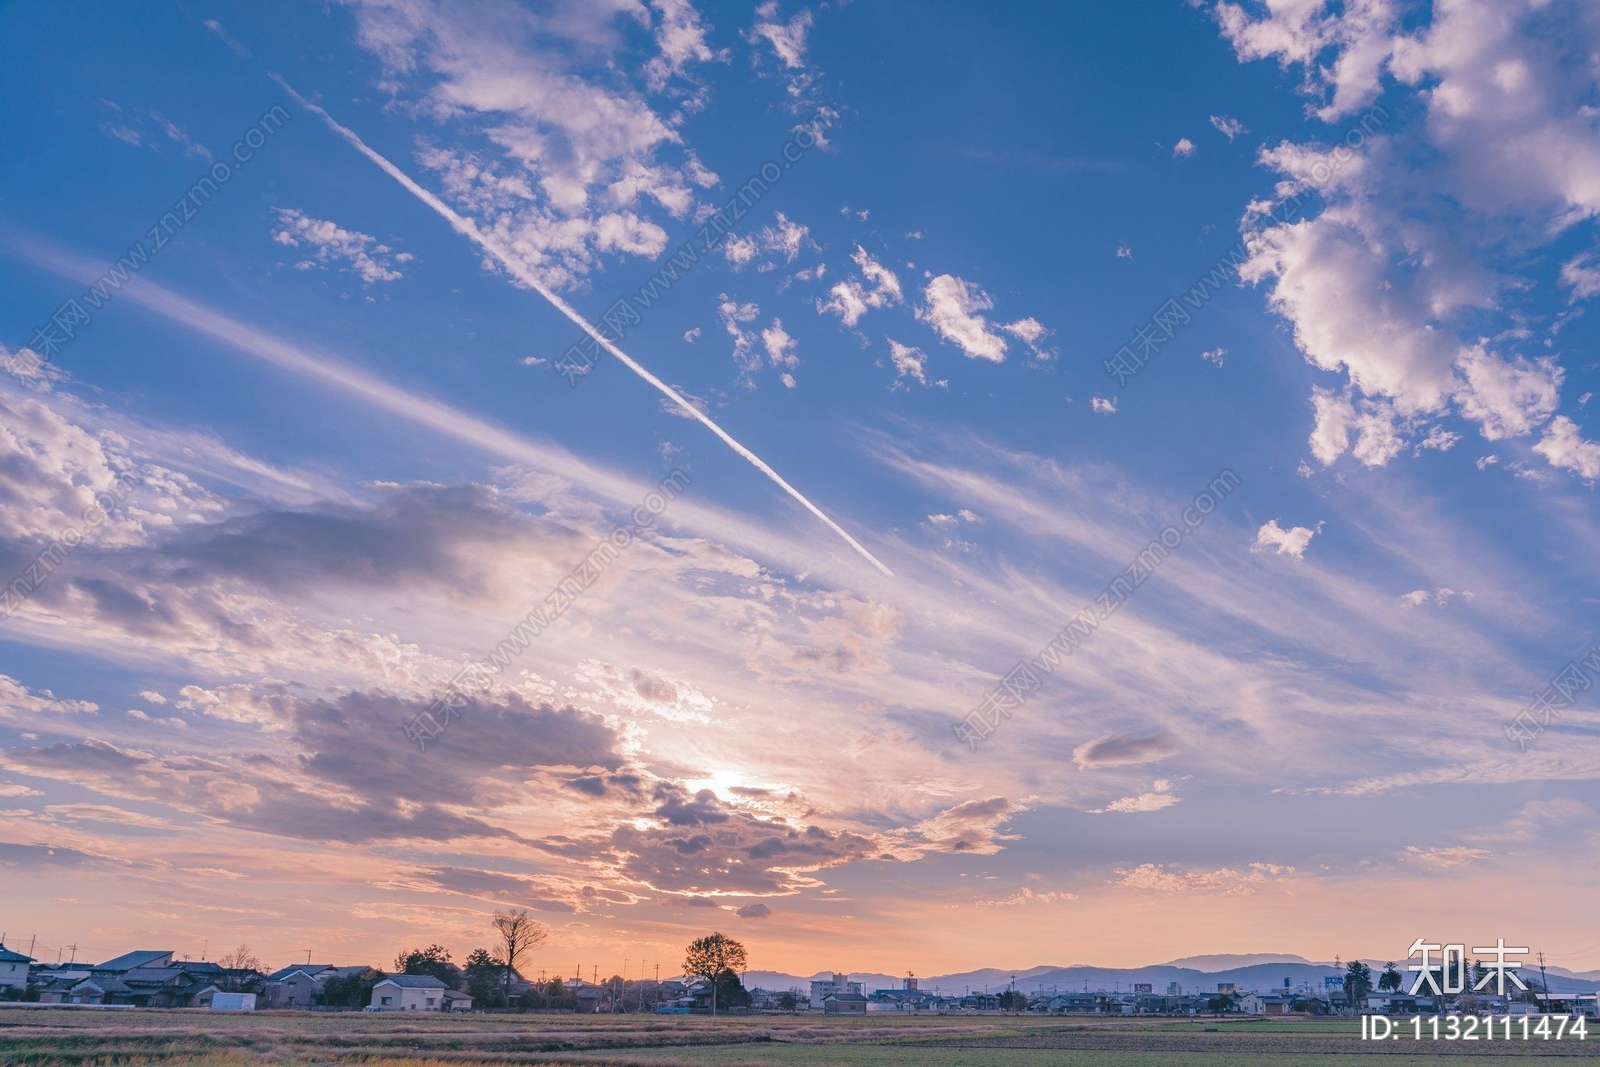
[(357, 742), (47, 857), (653, 689), (179, 585), (523, 892), (411, 535), (1119, 750), (678, 810), (599, 785), (386, 787), (740, 853), (754, 911)]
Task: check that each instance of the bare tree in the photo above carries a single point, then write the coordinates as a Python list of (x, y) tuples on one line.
[(519, 935), (239, 967), (240, 959)]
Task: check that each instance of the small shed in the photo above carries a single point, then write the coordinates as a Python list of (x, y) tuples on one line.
[(233, 1001)]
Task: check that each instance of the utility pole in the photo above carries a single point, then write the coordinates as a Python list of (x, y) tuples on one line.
[(308, 957), (74, 958), (31, 940), (624, 989), (1544, 980)]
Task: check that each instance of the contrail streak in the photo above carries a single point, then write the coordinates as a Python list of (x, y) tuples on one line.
[(467, 228)]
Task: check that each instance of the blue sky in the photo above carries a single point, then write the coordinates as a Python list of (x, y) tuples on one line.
[(353, 467)]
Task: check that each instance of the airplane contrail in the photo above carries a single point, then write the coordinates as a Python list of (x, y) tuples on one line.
[(467, 228)]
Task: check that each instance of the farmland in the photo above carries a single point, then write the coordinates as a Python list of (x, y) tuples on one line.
[(40, 1037)]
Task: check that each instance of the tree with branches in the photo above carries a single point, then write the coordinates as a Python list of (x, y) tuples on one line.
[(711, 957), (241, 968), (1357, 984), (520, 935), (433, 960)]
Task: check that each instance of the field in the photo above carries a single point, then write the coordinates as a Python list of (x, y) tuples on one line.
[(55, 1037)]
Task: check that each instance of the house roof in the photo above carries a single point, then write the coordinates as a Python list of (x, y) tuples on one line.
[(310, 970), (152, 975), (846, 997), (7, 956), (129, 960), (199, 966), (105, 985), (414, 981)]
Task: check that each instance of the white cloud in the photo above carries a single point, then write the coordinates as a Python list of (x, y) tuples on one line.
[(788, 39), (1183, 149), (690, 336), (1214, 355), (1439, 439), (1153, 877), (786, 238), (740, 250), (780, 346), (850, 299), (733, 315), (953, 308), (1581, 274), (1160, 796), (572, 156), (22, 705), (1563, 446), (1439, 597), (1507, 399), (1425, 222), (1228, 126), (680, 42), (909, 362), (1446, 857), (1124, 252), (152, 697), (1301, 33), (1104, 405), (328, 243), (1290, 542), (1030, 331)]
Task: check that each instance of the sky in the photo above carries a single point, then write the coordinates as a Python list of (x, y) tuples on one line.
[(1254, 337)]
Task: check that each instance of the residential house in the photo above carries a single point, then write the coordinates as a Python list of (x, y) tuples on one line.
[(909, 999), (13, 969), (845, 1003), (55, 981), (180, 985), (409, 992), (129, 960), (100, 989), (822, 988), (298, 986), (1393, 1004)]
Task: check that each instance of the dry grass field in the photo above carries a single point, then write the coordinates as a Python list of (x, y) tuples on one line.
[(47, 1037)]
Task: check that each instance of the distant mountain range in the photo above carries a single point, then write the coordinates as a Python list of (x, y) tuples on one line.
[(1259, 972)]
